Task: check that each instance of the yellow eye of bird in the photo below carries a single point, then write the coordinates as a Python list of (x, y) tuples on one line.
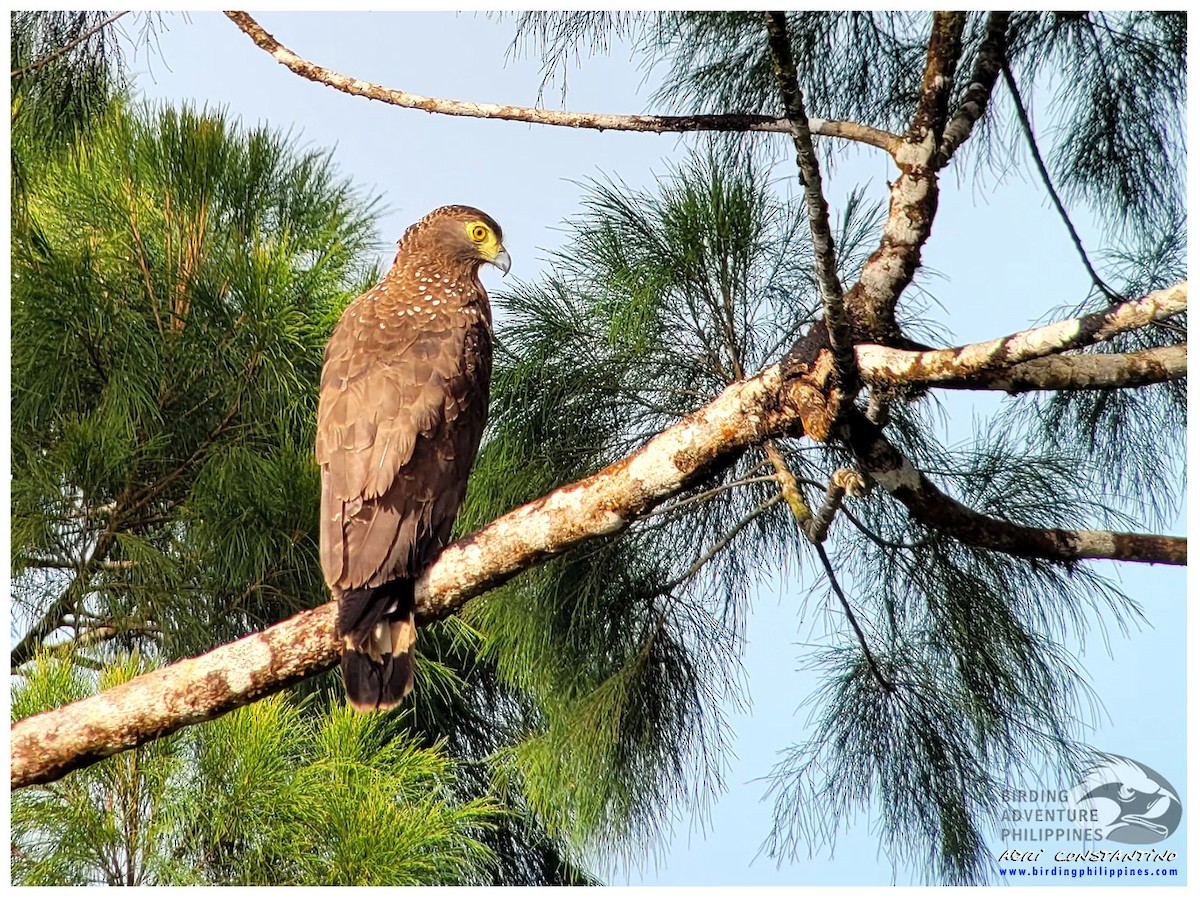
[(479, 233)]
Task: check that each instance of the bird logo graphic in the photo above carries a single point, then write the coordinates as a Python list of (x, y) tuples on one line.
[(1132, 802)]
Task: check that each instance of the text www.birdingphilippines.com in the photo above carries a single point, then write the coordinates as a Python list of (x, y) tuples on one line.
[(1066, 865)]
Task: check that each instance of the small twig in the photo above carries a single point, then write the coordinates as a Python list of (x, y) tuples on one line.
[(841, 483), (878, 539), (720, 545), (712, 492), (50, 57), (862, 640), (1027, 129)]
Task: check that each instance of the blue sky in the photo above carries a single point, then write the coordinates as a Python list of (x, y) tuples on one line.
[(998, 260)]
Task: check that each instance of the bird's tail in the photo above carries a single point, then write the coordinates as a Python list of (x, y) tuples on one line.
[(378, 632)]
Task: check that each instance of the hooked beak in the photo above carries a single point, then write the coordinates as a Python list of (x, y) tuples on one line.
[(502, 261)]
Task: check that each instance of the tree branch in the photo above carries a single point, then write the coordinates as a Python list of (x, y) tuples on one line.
[(841, 341), (62, 51), (885, 365), (47, 746), (1083, 372), (53, 619), (914, 194), (601, 121), (1044, 174), (926, 503), (992, 53)]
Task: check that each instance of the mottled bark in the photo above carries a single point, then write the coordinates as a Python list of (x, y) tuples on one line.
[(1083, 372), (888, 366), (914, 194), (47, 746), (880, 460), (825, 262)]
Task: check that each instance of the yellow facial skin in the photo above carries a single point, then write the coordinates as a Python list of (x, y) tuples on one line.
[(488, 246)]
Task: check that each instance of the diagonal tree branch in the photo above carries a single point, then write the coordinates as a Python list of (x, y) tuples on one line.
[(927, 503), (67, 602), (841, 483), (852, 131), (47, 746), (841, 342), (885, 365), (988, 62)]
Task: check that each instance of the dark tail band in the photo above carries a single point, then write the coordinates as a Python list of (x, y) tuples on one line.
[(378, 632)]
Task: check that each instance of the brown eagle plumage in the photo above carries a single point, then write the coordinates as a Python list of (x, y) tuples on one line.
[(404, 396)]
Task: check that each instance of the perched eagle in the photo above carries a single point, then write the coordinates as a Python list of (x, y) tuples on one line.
[(404, 396)]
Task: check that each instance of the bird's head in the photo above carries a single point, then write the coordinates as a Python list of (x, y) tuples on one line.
[(464, 234)]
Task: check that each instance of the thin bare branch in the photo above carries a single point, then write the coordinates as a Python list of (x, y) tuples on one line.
[(725, 540), (708, 495), (1044, 174), (67, 48), (600, 121), (788, 484), (850, 617)]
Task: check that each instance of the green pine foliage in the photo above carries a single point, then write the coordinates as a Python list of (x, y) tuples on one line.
[(170, 311), (168, 330), (175, 276), (269, 794), (628, 650), (56, 96)]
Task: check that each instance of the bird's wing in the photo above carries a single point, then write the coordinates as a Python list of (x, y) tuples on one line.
[(382, 390)]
